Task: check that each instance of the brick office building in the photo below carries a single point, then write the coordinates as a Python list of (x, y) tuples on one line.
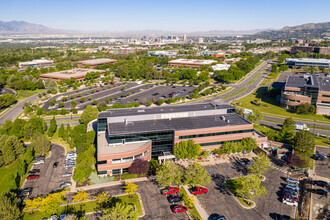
[(190, 62), (127, 134), (78, 74), (95, 62), (41, 63), (310, 49)]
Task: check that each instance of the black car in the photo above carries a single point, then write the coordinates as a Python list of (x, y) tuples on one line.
[(25, 192), (55, 164), (321, 157), (34, 171), (321, 183), (320, 191), (174, 199), (282, 217), (289, 191)]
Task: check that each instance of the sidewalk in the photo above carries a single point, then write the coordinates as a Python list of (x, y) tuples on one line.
[(198, 206)]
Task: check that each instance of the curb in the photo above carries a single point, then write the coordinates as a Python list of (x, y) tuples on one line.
[(142, 206), (251, 207)]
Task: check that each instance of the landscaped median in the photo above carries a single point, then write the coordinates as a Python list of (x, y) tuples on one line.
[(87, 207), (192, 211)]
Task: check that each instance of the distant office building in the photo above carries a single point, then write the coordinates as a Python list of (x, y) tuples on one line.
[(300, 62), (200, 40), (95, 62), (190, 62), (234, 51), (220, 67), (212, 53), (163, 53), (78, 74), (184, 37), (232, 60), (41, 63), (310, 49), (124, 135), (310, 89), (126, 50)]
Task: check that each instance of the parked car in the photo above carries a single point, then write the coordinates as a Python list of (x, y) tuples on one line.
[(179, 208), (25, 192), (174, 199), (39, 158), (34, 171), (292, 180), (198, 190), (320, 191), (290, 202), (53, 217), (289, 196), (245, 161), (31, 177), (290, 191), (320, 183), (292, 186), (37, 162), (65, 185), (55, 164), (63, 217), (216, 217), (112, 83), (321, 157), (170, 190), (66, 174)]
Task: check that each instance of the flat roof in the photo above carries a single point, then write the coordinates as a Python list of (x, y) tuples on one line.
[(177, 124), (192, 61), (323, 83), (161, 109), (67, 74), (296, 81), (308, 60), (97, 61), (37, 61)]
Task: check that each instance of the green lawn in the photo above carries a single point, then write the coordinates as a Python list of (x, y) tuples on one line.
[(23, 94), (88, 207), (235, 93), (58, 140), (274, 108), (193, 212), (255, 78)]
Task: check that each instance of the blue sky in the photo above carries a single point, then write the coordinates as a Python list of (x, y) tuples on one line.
[(169, 15)]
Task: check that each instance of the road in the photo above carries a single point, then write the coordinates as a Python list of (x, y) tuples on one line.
[(15, 111)]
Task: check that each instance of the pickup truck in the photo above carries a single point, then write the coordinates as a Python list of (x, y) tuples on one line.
[(301, 127), (198, 190), (170, 190)]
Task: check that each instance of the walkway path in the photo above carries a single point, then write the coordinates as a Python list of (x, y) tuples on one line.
[(198, 206)]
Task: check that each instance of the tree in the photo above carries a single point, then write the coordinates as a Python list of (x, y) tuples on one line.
[(88, 114), (120, 211), (139, 166), (260, 165), (168, 173), (160, 101), (196, 174), (295, 161), (61, 131), (248, 187), (189, 201), (82, 99), (52, 102), (130, 188), (290, 123), (52, 128), (102, 200), (249, 144), (32, 204), (286, 134), (282, 58), (148, 103), (9, 206), (284, 68), (187, 149), (6, 100), (40, 144), (304, 142), (80, 196), (274, 68), (227, 147), (153, 165), (306, 109), (85, 163), (8, 152), (73, 103), (255, 116), (52, 202), (21, 167)]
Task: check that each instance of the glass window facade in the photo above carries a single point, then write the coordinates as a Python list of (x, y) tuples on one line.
[(127, 159), (312, 92), (138, 156), (102, 172), (102, 162), (125, 170), (214, 134), (116, 161), (117, 171), (102, 124), (216, 143)]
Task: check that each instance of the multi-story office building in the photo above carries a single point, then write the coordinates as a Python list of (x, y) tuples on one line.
[(78, 74), (124, 135), (310, 49), (126, 50), (42, 63), (96, 62), (300, 62), (190, 62), (212, 53), (310, 89), (164, 53)]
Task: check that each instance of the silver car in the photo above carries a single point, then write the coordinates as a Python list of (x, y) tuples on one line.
[(65, 185), (66, 174), (292, 180)]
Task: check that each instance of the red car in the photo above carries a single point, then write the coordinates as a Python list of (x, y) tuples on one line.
[(170, 190), (112, 83), (97, 90), (179, 208), (290, 197), (198, 190), (32, 177)]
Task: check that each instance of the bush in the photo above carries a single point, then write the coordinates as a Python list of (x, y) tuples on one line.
[(54, 91), (74, 111), (126, 176), (306, 109)]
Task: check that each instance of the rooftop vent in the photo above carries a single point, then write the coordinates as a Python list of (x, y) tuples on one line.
[(227, 121)]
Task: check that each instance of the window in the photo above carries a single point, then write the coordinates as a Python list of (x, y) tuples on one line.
[(125, 170), (214, 134), (146, 152), (102, 162), (325, 102), (326, 96), (127, 159), (116, 161), (102, 172), (117, 171), (138, 156)]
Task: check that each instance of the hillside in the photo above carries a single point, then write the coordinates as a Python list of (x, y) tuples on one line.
[(22, 27)]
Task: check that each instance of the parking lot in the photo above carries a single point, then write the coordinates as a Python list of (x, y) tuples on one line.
[(322, 167), (50, 178)]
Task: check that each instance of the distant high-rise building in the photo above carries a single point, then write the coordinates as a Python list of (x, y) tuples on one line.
[(184, 37), (200, 40)]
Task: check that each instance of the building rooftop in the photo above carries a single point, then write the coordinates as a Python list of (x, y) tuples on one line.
[(97, 61), (161, 110), (192, 61), (37, 61), (177, 124), (323, 83), (308, 60), (296, 81), (67, 74)]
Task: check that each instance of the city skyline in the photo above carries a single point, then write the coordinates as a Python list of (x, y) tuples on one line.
[(183, 16)]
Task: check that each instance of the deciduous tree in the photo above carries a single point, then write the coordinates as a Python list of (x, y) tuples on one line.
[(139, 166), (32, 204), (260, 164), (52, 203), (9, 206), (169, 173), (196, 174), (88, 114), (120, 211), (248, 187), (130, 188)]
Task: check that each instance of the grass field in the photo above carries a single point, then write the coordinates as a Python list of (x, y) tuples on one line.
[(255, 78), (23, 94), (274, 108), (235, 93), (56, 139), (193, 212), (87, 207)]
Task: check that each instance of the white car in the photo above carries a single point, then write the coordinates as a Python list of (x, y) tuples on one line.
[(66, 174), (37, 162), (292, 180), (290, 202), (291, 186), (65, 185)]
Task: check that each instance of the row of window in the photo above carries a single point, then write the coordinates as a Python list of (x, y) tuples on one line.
[(326, 96), (216, 143), (291, 100), (325, 102), (123, 160), (214, 134), (119, 171)]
